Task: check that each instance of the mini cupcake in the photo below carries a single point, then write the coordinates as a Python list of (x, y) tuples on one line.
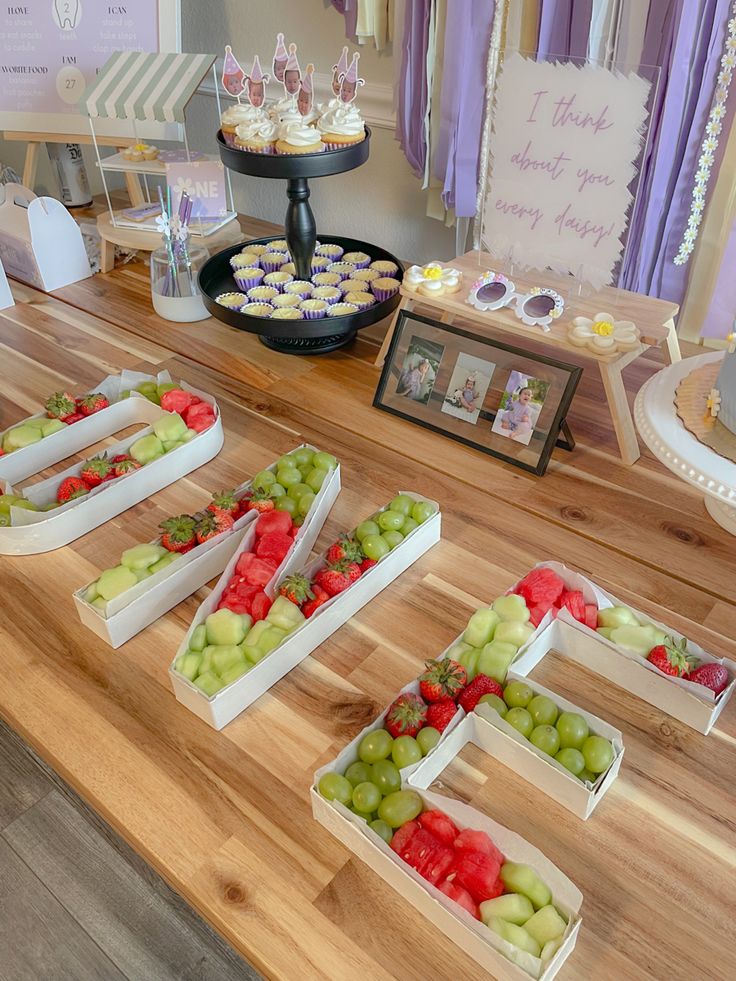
[(341, 126), (262, 294), (320, 263), (367, 275), (255, 249), (244, 260), (333, 252), (278, 279), (286, 300), (361, 260), (257, 135), (272, 261), (341, 309), (326, 279), (257, 309), (248, 278), (233, 301), (278, 245), (314, 309), (384, 267), (287, 313), (300, 288), (354, 286), (384, 287), (343, 269), (360, 299), (290, 268), (330, 294)]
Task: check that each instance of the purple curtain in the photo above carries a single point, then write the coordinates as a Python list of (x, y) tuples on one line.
[(721, 315), (461, 104), (349, 9), (412, 101), (564, 26)]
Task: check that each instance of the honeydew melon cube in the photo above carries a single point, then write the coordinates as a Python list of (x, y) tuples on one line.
[(513, 907), (550, 949), (146, 449), (545, 925), (115, 581), (26, 505), (142, 574), (91, 592), (640, 640), (458, 649), (495, 658), (513, 632), (189, 435), (225, 627), (225, 657), (605, 632), (270, 639), (169, 427), (235, 672), (481, 628), (51, 426), (209, 683), (171, 444), (511, 607), (253, 654), (188, 664), (142, 556), (99, 604), (21, 436), (257, 631), (523, 879), (206, 664), (6, 500), (616, 616), (166, 559), (39, 422), (285, 614), (515, 935), (198, 640), (247, 622)]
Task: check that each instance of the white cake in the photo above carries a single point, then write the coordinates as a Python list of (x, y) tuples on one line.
[(726, 385)]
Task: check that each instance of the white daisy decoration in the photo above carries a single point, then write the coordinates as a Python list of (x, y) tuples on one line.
[(603, 335), (433, 279)]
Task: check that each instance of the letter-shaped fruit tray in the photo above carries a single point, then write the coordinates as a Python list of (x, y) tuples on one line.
[(32, 532)]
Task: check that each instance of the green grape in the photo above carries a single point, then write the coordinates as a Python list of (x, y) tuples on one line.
[(421, 511), (286, 461), (359, 772), (408, 526), (386, 776), (496, 703), (427, 739), (543, 710), (587, 775), (572, 760), (546, 738), (276, 490), (390, 520), (303, 456), (305, 503), (296, 490), (597, 753), (366, 797), (334, 787), (403, 504), (520, 719), (366, 528), (517, 694), (382, 829), (375, 746), (366, 816), (400, 807), (405, 751), (325, 461), (315, 478), (288, 477), (287, 504), (392, 538), (263, 479), (573, 730), (375, 547)]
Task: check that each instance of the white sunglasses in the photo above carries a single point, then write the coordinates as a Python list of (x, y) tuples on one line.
[(539, 307)]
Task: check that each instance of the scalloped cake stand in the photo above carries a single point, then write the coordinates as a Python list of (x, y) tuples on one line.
[(659, 426)]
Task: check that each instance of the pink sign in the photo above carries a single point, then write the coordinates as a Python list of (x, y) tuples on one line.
[(204, 182)]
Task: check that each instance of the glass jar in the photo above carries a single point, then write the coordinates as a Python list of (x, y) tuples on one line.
[(174, 288)]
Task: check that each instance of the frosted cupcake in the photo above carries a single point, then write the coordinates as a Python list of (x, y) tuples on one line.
[(300, 288), (297, 138), (314, 309), (248, 278), (320, 263), (367, 275), (333, 252), (235, 116), (286, 300), (326, 279), (384, 267), (341, 309), (262, 294), (277, 279), (330, 294), (384, 287), (233, 301), (244, 260), (361, 260), (272, 261), (256, 136), (354, 286), (343, 269), (360, 299), (341, 126), (255, 249), (287, 313), (278, 245), (257, 309)]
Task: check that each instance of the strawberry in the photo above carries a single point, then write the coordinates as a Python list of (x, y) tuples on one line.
[(260, 606), (177, 400), (444, 678), (224, 501), (352, 571), (71, 487), (478, 873), (126, 466), (440, 714), (460, 896), (60, 405), (274, 546), (479, 686), (296, 589), (439, 825), (259, 501), (89, 404), (332, 580), (209, 525), (712, 675), (312, 605), (272, 521), (199, 416), (120, 457), (367, 564), (406, 715), (477, 841), (344, 549), (178, 534), (672, 658), (74, 417), (95, 471)]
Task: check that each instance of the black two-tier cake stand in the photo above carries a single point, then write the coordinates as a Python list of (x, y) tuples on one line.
[(302, 336)]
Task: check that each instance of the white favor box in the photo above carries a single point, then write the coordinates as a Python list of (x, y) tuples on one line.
[(499, 958), (226, 704), (695, 705), (33, 531), (139, 606)]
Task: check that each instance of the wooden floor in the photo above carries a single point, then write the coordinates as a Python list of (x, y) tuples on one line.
[(225, 817)]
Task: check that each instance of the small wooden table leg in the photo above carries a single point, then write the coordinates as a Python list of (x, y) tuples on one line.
[(618, 405), (107, 255), (30, 165), (671, 347), (447, 317), (406, 303)]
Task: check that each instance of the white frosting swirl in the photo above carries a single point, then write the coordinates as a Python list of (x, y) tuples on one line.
[(241, 113), (287, 104), (264, 130), (343, 120), (299, 134)]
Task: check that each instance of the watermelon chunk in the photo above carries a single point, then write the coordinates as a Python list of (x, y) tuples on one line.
[(591, 616), (575, 603), (541, 587)]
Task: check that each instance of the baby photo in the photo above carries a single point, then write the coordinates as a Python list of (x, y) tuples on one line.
[(520, 406), (468, 386), (419, 370)]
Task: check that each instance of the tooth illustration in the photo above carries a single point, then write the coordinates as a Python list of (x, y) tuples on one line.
[(68, 13)]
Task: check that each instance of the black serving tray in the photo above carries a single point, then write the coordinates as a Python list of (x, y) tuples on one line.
[(287, 167)]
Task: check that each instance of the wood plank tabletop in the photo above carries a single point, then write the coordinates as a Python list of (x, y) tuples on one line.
[(225, 817)]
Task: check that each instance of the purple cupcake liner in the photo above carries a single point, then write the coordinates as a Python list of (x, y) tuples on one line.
[(313, 314), (361, 265), (333, 256), (271, 266), (229, 138), (248, 278), (330, 299), (382, 295)]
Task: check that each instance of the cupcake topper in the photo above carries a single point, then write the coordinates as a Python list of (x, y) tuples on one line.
[(349, 82), (280, 57), (256, 84), (232, 74), (338, 70), (292, 73), (306, 92)]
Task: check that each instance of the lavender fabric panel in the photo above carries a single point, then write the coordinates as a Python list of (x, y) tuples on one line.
[(721, 315), (564, 26), (412, 104)]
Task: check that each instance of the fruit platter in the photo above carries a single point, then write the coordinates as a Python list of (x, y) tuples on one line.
[(217, 673), (181, 425), (153, 577)]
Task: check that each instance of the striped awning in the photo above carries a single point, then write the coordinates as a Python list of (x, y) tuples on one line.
[(143, 86)]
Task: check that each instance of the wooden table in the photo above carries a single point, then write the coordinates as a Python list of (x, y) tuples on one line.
[(653, 317), (224, 817)]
